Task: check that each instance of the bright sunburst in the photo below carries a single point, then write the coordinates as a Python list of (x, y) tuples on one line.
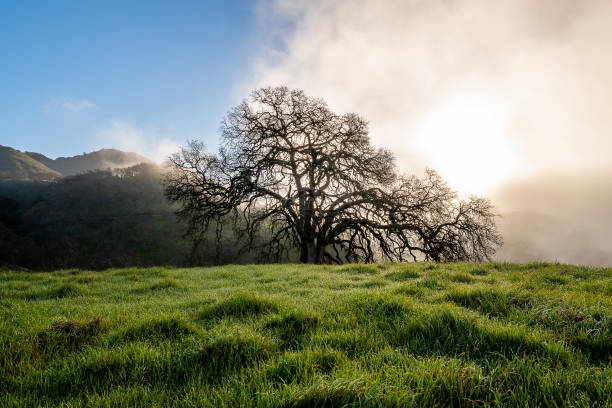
[(465, 138)]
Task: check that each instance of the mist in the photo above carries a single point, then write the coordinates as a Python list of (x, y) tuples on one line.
[(558, 217), (507, 99)]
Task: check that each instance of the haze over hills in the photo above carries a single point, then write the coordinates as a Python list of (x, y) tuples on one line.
[(17, 165), (562, 216), (540, 220)]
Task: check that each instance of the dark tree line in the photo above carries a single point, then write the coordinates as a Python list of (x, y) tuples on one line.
[(293, 176), (99, 219)]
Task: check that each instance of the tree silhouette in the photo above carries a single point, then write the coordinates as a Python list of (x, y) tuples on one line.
[(308, 179)]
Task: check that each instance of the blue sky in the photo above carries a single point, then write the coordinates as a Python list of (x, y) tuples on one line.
[(77, 76)]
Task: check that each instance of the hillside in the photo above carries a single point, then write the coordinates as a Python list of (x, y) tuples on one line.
[(308, 336), (15, 165), (32, 166), (100, 220), (94, 220), (98, 160)]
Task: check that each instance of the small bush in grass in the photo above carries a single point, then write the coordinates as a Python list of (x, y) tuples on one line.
[(241, 305)]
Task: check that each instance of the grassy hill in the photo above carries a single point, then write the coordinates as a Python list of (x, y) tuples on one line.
[(32, 166), (99, 160), (308, 336), (15, 165)]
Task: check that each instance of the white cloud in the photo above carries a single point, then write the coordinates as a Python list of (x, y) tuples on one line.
[(69, 104), (124, 136), (398, 62)]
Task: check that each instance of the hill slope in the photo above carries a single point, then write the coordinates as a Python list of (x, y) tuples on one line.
[(15, 165), (308, 336), (98, 160)]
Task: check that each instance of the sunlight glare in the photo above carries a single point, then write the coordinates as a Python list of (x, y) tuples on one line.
[(466, 140)]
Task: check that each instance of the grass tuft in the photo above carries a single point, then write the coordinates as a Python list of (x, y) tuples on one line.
[(379, 307), (360, 269), (462, 278), (338, 393), (241, 305), (69, 335), (230, 353), (293, 326), (491, 301), (299, 366), (166, 283), (63, 290), (409, 290), (374, 283), (164, 328), (403, 275), (430, 282), (479, 271)]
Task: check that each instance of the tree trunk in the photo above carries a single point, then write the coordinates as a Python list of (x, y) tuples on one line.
[(311, 254)]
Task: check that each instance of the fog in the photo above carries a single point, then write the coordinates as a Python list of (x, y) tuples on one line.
[(509, 99), (563, 217)]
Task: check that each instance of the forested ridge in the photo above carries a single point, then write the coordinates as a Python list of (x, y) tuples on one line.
[(99, 219)]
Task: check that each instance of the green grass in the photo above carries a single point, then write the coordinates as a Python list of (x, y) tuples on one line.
[(421, 334)]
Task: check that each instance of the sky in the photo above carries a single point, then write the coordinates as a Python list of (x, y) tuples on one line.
[(77, 76), (509, 98)]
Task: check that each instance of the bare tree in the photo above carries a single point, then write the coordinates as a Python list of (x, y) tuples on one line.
[(309, 179)]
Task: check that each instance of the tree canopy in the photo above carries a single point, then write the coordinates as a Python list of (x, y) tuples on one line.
[(307, 179)]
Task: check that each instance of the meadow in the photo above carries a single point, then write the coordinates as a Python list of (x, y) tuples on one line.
[(418, 334)]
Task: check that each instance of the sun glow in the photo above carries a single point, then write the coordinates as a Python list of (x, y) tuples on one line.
[(465, 139)]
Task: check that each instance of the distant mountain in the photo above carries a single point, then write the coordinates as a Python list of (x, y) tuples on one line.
[(99, 160), (16, 165)]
